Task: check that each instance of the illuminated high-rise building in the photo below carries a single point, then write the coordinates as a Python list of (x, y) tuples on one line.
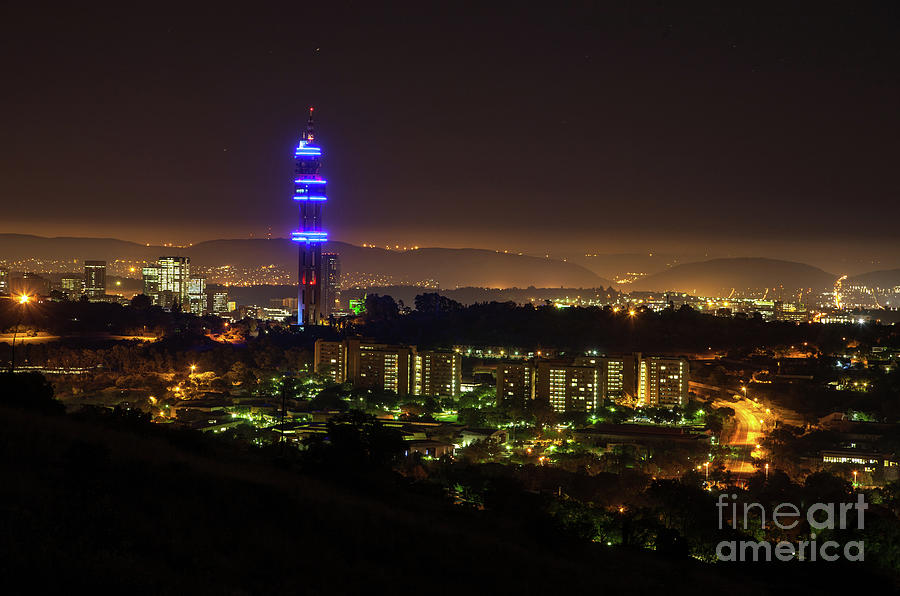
[(310, 193), (663, 382), (437, 373), (174, 285), (197, 295), (515, 383), (396, 368), (220, 303), (4, 280), (72, 287), (568, 387), (331, 266), (150, 276), (95, 279)]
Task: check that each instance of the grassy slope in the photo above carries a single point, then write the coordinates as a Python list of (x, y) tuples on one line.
[(86, 506)]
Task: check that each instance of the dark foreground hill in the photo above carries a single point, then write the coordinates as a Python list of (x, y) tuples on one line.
[(717, 277), (86, 506)]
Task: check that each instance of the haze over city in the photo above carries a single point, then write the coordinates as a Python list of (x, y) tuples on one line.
[(576, 132)]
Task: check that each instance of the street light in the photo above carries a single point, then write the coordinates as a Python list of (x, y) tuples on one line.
[(22, 301), (767, 472), (706, 465), (855, 483)]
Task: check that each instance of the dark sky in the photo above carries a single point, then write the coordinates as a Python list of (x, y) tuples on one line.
[(583, 131)]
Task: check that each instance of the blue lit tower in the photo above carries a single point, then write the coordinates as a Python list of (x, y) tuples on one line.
[(309, 191)]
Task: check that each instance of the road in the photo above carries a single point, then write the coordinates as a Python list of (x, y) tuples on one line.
[(750, 419), (42, 338)]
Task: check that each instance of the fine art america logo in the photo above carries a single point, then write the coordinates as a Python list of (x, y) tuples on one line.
[(787, 516)]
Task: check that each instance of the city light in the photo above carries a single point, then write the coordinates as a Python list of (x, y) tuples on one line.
[(24, 299)]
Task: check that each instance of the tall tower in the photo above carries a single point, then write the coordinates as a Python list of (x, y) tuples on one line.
[(309, 191)]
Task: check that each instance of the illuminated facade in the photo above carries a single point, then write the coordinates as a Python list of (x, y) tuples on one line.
[(438, 374), (616, 374), (4, 280), (310, 193), (72, 287), (569, 387), (174, 282), (663, 382), (396, 368), (331, 292), (95, 279), (220, 302), (515, 384), (197, 295), (150, 276)]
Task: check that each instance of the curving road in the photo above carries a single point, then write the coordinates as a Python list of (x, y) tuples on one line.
[(749, 419)]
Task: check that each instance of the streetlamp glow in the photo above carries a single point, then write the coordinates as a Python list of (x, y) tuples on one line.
[(23, 301)]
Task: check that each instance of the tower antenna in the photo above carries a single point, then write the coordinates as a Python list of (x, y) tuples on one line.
[(310, 130)]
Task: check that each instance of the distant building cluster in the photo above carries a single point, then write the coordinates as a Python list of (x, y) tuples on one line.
[(401, 369), (168, 283)]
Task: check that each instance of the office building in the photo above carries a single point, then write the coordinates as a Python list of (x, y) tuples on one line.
[(791, 311), (174, 282), (331, 293), (197, 295), (310, 193), (220, 303), (95, 279), (663, 382), (72, 287), (150, 276), (4, 280)]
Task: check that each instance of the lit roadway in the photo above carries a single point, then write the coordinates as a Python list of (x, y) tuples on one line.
[(41, 338), (749, 418)]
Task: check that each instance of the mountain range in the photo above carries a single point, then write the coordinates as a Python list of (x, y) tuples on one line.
[(717, 277), (446, 267), (461, 267)]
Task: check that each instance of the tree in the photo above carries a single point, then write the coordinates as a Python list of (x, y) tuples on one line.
[(356, 441), (30, 391), (481, 452), (381, 308), (141, 302), (433, 303)]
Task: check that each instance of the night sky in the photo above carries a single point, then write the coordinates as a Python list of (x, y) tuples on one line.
[(535, 131)]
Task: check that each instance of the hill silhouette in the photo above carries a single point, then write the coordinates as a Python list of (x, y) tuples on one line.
[(126, 508), (449, 267), (717, 277), (887, 278)]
